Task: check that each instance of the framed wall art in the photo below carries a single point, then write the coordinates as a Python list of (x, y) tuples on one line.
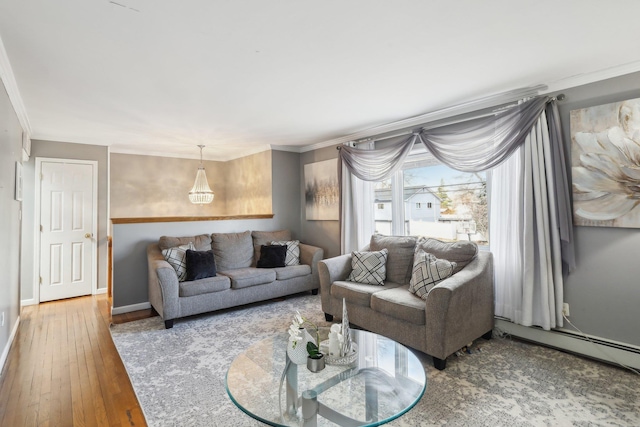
[(321, 191), (605, 164)]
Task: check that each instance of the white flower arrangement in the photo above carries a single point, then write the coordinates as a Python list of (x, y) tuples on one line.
[(295, 332)]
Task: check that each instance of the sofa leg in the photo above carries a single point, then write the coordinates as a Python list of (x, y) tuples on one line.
[(488, 335), (328, 317), (314, 291), (439, 364), (168, 324)]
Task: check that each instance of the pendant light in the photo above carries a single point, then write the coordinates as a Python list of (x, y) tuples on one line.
[(201, 194)]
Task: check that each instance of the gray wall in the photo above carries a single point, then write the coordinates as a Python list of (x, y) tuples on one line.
[(325, 234), (62, 150), (10, 153), (130, 241), (604, 291)]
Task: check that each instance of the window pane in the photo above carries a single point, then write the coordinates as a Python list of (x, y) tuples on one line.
[(454, 204), (383, 213)]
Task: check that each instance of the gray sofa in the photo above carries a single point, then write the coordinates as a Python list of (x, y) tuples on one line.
[(237, 282), (456, 311)]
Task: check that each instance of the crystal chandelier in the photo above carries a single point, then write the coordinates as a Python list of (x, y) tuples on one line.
[(201, 194)]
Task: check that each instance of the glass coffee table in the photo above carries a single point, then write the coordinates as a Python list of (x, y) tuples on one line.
[(384, 382)]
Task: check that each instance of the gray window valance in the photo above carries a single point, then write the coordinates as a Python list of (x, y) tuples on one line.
[(472, 146)]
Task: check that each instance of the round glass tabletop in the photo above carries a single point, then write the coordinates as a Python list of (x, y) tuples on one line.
[(385, 381)]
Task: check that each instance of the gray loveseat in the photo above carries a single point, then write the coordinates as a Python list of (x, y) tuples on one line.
[(456, 311), (237, 282)]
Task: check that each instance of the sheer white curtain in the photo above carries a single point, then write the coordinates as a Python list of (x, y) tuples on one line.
[(356, 208), (525, 236)]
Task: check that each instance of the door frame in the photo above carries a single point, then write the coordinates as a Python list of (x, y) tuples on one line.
[(36, 222)]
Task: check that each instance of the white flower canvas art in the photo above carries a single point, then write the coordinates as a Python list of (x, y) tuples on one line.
[(605, 164)]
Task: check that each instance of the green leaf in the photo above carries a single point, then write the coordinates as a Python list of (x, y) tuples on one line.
[(312, 349)]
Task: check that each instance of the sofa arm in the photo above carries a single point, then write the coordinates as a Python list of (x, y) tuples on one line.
[(163, 284), (310, 255), (460, 309), (332, 270)]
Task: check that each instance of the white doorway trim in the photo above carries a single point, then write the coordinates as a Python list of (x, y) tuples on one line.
[(36, 222)]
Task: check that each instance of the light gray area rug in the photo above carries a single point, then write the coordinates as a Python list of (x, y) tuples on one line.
[(179, 374)]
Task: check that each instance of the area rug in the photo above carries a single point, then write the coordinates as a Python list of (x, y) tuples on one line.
[(179, 375)]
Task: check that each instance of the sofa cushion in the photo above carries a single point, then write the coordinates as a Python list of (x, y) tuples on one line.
[(202, 242), (358, 293), (263, 238), (292, 271), (232, 250), (200, 265), (400, 259), (461, 252), (176, 257), (249, 276), (401, 304), (293, 250), (204, 286), (428, 271), (368, 267), (272, 256)]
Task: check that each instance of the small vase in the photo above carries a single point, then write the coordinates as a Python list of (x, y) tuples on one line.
[(315, 364), (298, 355)]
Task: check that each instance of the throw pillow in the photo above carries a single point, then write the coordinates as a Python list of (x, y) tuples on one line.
[(293, 251), (461, 252), (369, 267), (263, 238), (176, 258), (428, 271), (272, 256), (200, 265)]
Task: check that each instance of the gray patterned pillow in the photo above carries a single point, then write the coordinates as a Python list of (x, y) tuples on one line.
[(427, 272), (369, 267), (293, 251), (176, 257)]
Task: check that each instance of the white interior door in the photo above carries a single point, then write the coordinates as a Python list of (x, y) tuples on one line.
[(68, 219)]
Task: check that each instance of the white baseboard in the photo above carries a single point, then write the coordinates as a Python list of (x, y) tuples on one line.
[(598, 348), (100, 291), (130, 308), (26, 302), (5, 352)]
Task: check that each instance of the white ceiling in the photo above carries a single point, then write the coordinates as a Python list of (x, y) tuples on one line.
[(162, 76)]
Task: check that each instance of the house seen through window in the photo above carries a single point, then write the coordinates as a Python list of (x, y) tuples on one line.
[(427, 198)]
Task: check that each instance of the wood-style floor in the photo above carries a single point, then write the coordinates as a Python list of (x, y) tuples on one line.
[(63, 368)]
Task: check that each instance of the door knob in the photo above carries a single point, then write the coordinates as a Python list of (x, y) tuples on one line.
[(88, 235)]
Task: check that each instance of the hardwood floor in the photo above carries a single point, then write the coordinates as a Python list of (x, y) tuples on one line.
[(63, 368)]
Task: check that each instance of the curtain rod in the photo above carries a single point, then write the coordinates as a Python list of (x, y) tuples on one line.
[(463, 108)]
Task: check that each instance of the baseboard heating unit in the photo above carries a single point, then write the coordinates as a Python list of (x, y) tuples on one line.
[(609, 351)]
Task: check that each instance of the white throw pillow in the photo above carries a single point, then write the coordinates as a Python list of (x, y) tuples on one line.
[(176, 257), (369, 267), (293, 251), (427, 272)]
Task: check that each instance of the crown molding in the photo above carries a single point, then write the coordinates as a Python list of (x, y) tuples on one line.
[(592, 77), (196, 156), (443, 113), (467, 107), (11, 86)]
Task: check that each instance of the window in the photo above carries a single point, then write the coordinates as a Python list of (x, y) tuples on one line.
[(455, 202)]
